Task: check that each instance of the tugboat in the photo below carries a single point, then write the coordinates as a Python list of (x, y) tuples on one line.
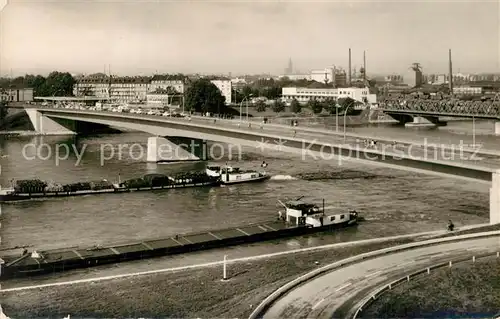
[(233, 175), (301, 214)]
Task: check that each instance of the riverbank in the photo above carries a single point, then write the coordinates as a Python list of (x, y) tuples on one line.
[(182, 294), (197, 292), (466, 290), (19, 133)]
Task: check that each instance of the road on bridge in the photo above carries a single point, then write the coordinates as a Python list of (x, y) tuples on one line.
[(337, 293), (457, 155)]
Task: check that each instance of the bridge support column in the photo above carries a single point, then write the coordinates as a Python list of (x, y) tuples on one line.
[(497, 127), (495, 198), (419, 121), (47, 126), (161, 149)]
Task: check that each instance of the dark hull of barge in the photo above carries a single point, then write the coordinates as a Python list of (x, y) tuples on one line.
[(68, 259), (47, 195)]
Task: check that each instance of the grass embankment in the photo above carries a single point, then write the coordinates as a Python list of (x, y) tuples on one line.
[(467, 290), (189, 293)]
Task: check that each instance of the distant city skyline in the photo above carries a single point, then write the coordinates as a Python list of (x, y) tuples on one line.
[(145, 37)]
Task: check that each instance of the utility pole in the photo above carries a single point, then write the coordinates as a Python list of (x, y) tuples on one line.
[(364, 66), (451, 72), (349, 68)]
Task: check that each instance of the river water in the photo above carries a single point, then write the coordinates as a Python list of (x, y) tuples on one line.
[(392, 201)]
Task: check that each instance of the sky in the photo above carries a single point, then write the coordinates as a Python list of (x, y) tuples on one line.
[(144, 37)]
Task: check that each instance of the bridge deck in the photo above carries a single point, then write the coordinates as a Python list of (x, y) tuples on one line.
[(404, 155), (449, 107)]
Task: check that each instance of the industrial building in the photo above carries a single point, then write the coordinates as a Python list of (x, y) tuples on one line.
[(303, 95), (413, 78)]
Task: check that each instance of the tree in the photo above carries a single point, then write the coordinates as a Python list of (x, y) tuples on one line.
[(278, 106), (347, 105), (295, 106), (204, 96), (238, 96), (260, 106), (59, 84), (315, 106), (36, 83), (3, 112), (330, 105), (346, 102), (270, 92), (247, 91)]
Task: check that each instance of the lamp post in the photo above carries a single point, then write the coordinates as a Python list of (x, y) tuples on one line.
[(473, 132), (336, 117), (345, 115), (246, 111), (183, 108), (241, 106)]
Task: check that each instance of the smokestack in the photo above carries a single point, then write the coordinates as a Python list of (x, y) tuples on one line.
[(349, 67), (364, 66), (451, 71)]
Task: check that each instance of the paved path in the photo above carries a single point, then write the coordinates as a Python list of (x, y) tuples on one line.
[(336, 294)]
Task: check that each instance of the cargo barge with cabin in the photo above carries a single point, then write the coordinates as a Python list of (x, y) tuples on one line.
[(299, 218), (38, 189)]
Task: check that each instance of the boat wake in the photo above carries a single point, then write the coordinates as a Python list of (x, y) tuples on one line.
[(284, 178), (321, 176), (344, 174)]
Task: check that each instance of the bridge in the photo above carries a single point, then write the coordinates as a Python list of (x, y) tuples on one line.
[(407, 110), (71, 98), (168, 132)]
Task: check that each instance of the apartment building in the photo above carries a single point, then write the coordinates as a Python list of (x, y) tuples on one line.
[(137, 89), (176, 82), (225, 88), (120, 89)]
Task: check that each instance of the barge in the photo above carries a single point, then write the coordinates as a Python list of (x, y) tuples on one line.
[(299, 218), (212, 176), (37, 189), (233, 175)]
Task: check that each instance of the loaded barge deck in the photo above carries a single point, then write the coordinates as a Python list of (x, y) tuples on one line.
[(44, 262), (11, 197), (43, 192)]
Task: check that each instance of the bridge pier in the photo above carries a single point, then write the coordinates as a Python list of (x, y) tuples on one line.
[(497, 127), (419, 121), (176, 149), (495, 198), (47, 126)]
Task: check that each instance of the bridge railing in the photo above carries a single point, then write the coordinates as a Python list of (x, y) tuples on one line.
[(373, 296), (444, 107)]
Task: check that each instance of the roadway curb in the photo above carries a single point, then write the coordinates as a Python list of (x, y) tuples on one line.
[(266, 303)]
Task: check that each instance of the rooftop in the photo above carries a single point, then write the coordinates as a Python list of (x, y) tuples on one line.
[(70, 98), (298, 203)]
